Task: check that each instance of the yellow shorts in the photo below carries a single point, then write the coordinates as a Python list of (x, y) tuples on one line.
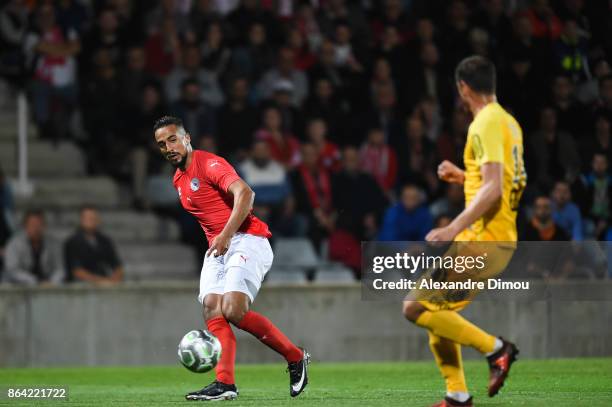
[(496, 256)]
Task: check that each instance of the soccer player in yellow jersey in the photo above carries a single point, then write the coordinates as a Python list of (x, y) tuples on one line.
[(493, 181)]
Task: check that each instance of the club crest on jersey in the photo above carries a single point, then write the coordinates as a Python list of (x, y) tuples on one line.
[(194, 184)]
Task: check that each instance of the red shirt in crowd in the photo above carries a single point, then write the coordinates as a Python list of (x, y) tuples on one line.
[(203, 191)]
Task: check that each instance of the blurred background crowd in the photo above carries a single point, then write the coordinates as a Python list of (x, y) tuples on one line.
[(337, 113)]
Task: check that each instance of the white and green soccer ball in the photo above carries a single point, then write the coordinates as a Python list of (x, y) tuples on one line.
[(199, 351)]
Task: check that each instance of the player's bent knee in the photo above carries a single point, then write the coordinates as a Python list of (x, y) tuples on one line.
[(211, 306), (233, 312), (412, 310)]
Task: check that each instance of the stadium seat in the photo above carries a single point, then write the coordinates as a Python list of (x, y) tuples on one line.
[(285, 276), (336, 274), (295, 252)]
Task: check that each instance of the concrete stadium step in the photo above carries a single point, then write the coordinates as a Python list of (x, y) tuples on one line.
[(121, 226), (8, 126), (44, 159), (158, 261), (71, 193)]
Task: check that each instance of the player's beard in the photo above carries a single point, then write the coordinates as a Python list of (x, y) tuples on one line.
[(180, 163)]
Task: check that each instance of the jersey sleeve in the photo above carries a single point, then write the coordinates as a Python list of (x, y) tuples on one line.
[(488, 141), (220, 173)]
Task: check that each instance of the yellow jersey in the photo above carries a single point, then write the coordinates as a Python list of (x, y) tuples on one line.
[(495, 136)]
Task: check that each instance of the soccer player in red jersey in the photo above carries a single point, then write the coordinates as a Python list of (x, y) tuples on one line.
[(238, 258)]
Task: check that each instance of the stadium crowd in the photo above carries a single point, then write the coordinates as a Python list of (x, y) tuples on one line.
[(337, 113)]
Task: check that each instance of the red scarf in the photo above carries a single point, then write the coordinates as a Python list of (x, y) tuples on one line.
[(319, 191)]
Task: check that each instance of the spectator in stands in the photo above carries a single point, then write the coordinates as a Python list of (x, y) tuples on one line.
[(520, 88), (72, 14), (167, 10), (256, 57), (546, 261), (163, 47), (451, 204), (537, 50), (430, 80), (454, 33), (284, 147), (32, 256), (596, 194), (197, 115), (51, 55), (571, 52), (101, 107), (249, 12), (348, 56), (237, 121), (601, 142), (13, 29), (393, 50), (90, 255), (216, 54), (133, 78), (210, 91), (105, 36), (546, 24), (328, 152), (6, 211), (304, 58), (282, 99), (342, 10), (312, 188), (285, 69), (409, 219), (357, 195), (417, 155), (306, 22), (381, 75), (565, 212), (379, 160), (588, 91), (571, 114), (541, 226), (266, 177), (144, 159), (450, 144), (552, 153), (203, 14), (492, 18), (384, 115), (326, 104)]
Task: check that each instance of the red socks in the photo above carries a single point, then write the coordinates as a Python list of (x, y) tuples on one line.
[(223, 331), (264, 330), (260, 327)]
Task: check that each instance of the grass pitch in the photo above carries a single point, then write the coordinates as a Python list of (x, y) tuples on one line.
[(566, 382)]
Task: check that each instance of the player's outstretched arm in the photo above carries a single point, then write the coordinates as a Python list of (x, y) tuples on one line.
[(243, 203), (487, 196), (449, 172)]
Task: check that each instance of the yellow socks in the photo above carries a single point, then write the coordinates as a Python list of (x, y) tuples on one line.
[(451, 325), (448, 358)]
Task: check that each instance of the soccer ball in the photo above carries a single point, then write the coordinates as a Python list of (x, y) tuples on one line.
[(199, 351)]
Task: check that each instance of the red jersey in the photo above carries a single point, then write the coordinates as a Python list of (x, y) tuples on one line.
[(202, 190)]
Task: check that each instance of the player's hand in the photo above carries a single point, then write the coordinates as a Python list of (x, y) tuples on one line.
[(219, 245), (449, 172), (445, 234)]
